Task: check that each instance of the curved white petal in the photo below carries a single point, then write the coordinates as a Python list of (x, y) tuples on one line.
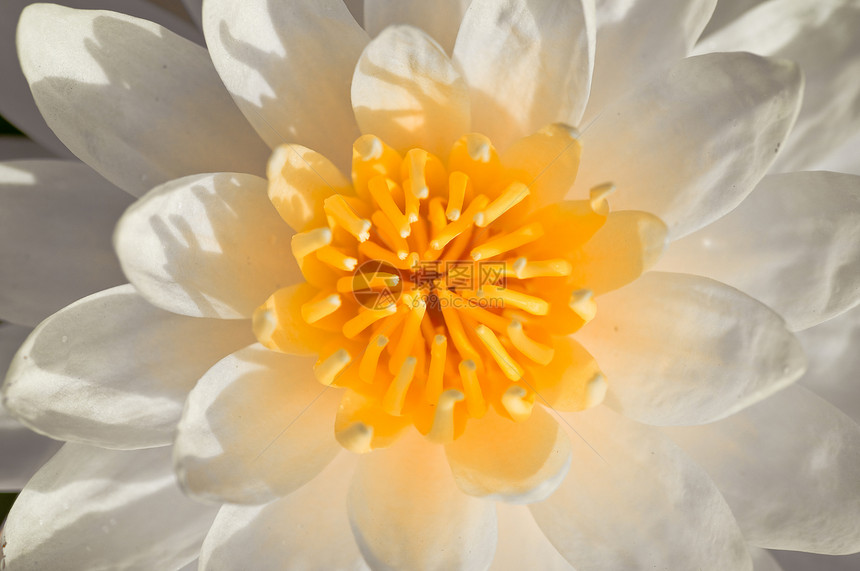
[(517, 462), (288, 65), (207, 245), (636, 39), (522, 544), (56, 218), (100, 510), (726, 12), (132, 99), (822, 37), (834, 361), (678, 349), (305, 530), (112, 370), (788, 468), (16, 101), (407, 513), (691, 144), (528, 63), (406, 91), (634, 501), (257, 426), (794, 244), (440, 19), (22, 450), (16, 147)]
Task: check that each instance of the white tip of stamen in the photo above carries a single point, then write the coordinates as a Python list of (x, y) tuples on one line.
[(369, 148), (478, 149), (357, 437), (582, 303), (519, 266), (350, 263), (453, 215), (442, 431), (595, 390), (479, 219), (598, 194), (514, 402)]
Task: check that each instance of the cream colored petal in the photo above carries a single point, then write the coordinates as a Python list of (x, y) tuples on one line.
[(793, 244), (822, 37), (407, 513), (22, 450), (522, 544), (288, 65), (678, 349), (528, 63), (16, 100), (638, 38), (102, 510), (207, 245), (112, 370), (691, 144), (834, 362), (305, 530), (726, 12), (641, 504), (257, 426), (788, 468), (439, 19), (131, 99), (56, 218), (406, 91), (516, 462)]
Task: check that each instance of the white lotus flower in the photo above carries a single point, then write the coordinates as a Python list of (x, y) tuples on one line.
[(667, 432)]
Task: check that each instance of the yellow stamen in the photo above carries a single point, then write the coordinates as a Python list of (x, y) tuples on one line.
[(458, 335), (513, 195), (336, 259), (456, 227), (411, 329), (342, 213), (519, 300), (362, 281), (376, 252), (438, 352), (395, 396), (415, 164), (457, 184), (306, 243), (508, 242), (326, 370), (537, 352), (509, 366), (475, 403), (313, 311), (525, 269), (442, 431), (389, 234), (370, 359), (365, 318), (380, 190), (598, 194), (582, 303), (516, 404)]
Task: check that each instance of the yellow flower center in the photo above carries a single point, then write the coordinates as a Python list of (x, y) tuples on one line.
[(439, 289)]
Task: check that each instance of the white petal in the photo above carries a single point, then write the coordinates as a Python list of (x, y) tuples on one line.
[(764, 561), (641, 504), (834, 361), (407, 513), (440, 19), (682, 349), (822, 37), (788, 468), (207, 245), (528, 63), (14, 147), (522, 544), (726, 12), (131, 99), (101, 510), (56, 219), (794, 244), (23, 451), (16, 101), (257, 426), (845, 159), (306, 530), (636, 39), (517, 462), (288, 65), (692, 143), (112, 370), (406, 91)]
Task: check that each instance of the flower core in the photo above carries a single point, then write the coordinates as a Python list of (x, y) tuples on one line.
[(438, 289)]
